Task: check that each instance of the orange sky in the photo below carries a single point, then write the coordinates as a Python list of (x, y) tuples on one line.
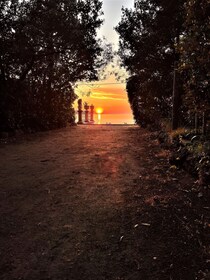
[(111, 97)]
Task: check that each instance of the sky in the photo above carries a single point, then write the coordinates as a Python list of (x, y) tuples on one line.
[(109, 94), (112, 15)]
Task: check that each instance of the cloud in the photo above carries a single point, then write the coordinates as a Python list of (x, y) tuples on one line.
[(106, 97), (117, 91)]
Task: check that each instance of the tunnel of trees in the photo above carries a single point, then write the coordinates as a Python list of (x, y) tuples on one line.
[(164, 45), (45, 47)]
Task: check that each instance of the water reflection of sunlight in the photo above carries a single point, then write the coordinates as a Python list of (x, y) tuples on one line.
[(99, 111), (99, 118)]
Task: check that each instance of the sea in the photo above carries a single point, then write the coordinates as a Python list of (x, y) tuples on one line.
[(114, 119)]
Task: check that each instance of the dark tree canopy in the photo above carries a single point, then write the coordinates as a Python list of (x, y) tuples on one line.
[(45, 47), (150, 38), (194, 49)]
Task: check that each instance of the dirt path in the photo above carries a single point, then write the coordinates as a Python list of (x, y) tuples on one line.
[(75, 204)]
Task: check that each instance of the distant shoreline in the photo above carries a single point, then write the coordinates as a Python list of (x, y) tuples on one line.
[(111, 124)]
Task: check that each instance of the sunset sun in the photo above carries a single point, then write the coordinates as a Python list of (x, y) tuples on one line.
[(99, 110)]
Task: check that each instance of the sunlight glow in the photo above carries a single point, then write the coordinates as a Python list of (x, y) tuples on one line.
[(99, 110), (99, 118)]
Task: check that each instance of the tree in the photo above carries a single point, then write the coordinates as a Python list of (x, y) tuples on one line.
[(194, 56), (46, 46), (148, 36)]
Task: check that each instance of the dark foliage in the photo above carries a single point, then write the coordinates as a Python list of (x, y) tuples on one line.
[(194, 61), (154, 43), (147, 38), (45, 47)]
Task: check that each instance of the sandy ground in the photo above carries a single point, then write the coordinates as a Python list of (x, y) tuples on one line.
[(75, 204)]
